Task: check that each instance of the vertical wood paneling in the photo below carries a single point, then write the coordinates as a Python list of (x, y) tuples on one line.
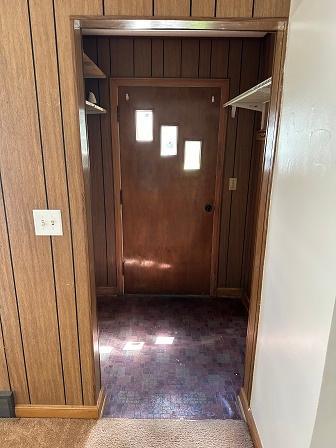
[(142, 58), (84, 282), (204, 68), (4, 379), (21, 158), (157, 58), (41, 296), (271, 8), (245, 142), (172, 8), (128, 7), (234, 70), (44, 47), (97, 199), (78, 60), (172, 58), (234, 8), (190, 58), (122, 59), (10, 318), (203, 8), (96, 174), (266, 68), (265, 71), (219, 58), (103, 45), (252, 209)]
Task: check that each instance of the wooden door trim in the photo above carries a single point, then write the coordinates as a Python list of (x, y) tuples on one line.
[(219, 185), (115, 84), (116, 169), (130, 26), (108, 25), (263, 211)]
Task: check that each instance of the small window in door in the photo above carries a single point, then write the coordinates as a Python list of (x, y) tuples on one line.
[(192, 155), (168, 141), (144, 125)]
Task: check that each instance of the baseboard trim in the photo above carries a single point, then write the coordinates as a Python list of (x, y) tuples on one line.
[(237, 293), (62, 411), (230, 292), (249, 419), (101, 402), (105, 291)]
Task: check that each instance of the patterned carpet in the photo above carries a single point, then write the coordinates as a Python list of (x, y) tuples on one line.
[(198, 376), (123, 433)]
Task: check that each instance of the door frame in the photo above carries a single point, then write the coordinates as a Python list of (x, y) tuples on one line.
[(115, 84), (200, 28)]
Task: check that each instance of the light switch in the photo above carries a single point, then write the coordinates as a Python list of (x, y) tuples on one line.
[(48, 222), (232, 183)]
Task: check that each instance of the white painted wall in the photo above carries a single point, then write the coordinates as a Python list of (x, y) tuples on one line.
[(324, 435), (299, 286)]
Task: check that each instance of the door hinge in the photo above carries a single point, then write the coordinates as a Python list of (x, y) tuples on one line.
[(123, 268), (118, 113), (121, 197)]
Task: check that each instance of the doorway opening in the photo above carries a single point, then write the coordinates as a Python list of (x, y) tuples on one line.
[(179, 197)]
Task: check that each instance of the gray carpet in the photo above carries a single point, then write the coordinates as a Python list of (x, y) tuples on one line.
[(123, 433)]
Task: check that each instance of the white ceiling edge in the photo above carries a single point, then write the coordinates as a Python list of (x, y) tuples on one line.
[(171, 33)]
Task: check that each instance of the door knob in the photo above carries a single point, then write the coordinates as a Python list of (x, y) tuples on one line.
[(208, 208)]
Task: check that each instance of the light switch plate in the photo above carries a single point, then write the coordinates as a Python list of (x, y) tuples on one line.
[(48, 222), (232, 183)]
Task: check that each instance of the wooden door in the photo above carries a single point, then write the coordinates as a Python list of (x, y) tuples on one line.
[(168, 208)]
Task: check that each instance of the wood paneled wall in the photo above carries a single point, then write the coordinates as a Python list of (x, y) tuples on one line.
[(45, 299), (48, 332), (24, 188), (236, 59), (265, 71), (198, 8)]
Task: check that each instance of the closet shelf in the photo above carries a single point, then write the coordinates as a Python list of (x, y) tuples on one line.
[(253, 99), (90, 69), (94, 108)]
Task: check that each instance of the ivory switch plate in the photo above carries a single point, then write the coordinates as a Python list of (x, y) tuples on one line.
[(48, 222), (232, 183)]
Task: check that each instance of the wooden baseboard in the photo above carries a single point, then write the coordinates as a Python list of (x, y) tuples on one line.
[(104, 291), (230, 292), (110, 291), (62, 411), (249, 419)]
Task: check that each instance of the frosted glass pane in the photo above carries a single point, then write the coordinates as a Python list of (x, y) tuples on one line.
[(192, 155), (168, 140), (144, 125)]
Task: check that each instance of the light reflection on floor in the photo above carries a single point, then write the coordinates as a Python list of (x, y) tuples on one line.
[(189, 362), (133, 346), (164, 340)]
